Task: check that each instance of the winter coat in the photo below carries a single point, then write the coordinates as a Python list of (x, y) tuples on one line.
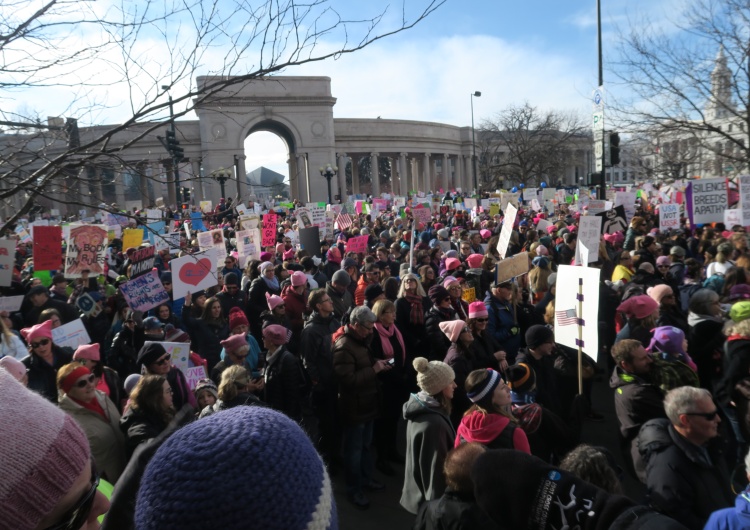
[(438, 342), (630, 237), (341, 302), (296, 309), (284, 382), (463, 364), (737, 518), (681, 483), (547, 391), (503, 327), (488, 430), (484, 347), (429, 437), (257, 303), (706, 346), (206, 337), (359, 392), (316, 345), (453, 511), (736, 367), (124, 352), (415, 337), (42, 376), (359, 292), (139, 427), (230, 301), (673, 317), (104, 435)]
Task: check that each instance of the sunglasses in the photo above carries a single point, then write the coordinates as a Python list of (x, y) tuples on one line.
[(77, 515), (85, 382), (705, 415), (42, 342), (163, 361), (481, 319)]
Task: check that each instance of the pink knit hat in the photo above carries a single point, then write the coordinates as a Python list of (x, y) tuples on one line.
[(280, 248), (234, 343), (639, 306), (452, 264), (486, 234), (277, 334), (658, 292), (289, 254), (39, 331), (15, 367), (449, 280), (452, 329), (273, 300), (541, 250), (475, 261), (478, 310), (44, 453), (298, 278), (88, 351)]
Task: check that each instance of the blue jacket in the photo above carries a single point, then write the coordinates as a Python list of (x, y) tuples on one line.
[(503, 327), (735, 518)]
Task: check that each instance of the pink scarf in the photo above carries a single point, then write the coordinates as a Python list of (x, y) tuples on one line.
[(385, 336)]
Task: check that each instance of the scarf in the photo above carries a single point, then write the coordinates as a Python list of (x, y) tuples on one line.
[(93, 406), (385, 339), (417, 308), (458, 306), (272, 284)]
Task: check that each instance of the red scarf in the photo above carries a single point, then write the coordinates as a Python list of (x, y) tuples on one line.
[(385, 339), (93, 406), (417, 308)]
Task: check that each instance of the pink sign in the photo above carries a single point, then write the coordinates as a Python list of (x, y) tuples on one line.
[(357, 244), (269, 230), (422, 215)]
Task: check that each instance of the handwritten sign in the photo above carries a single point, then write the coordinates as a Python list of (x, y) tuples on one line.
[(47, 248), (269, 229), (213, 240), (732, 217), (589, 235), (626, 199), (669, 217), (357, 244), (507, 229), (509, 268), (709, 200), (142, 261), (86, 249), (248, 245), (11, 303), (71, 335), (193, 273), (7, 256), (421, 215), (178, 351), (195, 374), (144, 292)]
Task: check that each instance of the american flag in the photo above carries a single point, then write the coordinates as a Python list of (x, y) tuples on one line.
[(344, 221), (566, 318)]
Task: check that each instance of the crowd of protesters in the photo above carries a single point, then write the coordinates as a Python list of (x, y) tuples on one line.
[(313, 360)]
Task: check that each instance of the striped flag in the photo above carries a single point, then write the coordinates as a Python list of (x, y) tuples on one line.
[(344, 221), (566, 318)]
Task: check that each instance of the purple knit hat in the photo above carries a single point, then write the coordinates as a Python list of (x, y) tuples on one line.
[(667, 339), (44, 453)]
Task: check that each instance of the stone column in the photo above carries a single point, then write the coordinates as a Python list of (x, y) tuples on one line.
[(446, 174), (196, 185), (374, 175), (342, 161), (469, 173), (426, 172), (239, 166), (119, 188), (458, 180), (355, 175), (143, 170), (403, 170), (302, 177)]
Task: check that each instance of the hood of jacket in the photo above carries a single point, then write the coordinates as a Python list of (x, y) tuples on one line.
[(482, 428), (319, 320), (622, 378), (421, 404)]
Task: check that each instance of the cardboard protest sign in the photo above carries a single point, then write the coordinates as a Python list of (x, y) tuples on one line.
[(744, 182), (421, 215), (23, 234), (213, 240), (142, 261), (248, 245), (626, 199), (250, 221), (11, 304), (508, 221), (566, 308), (71, 335), (86, 250), (707, 200), (7, 256), (596, 207), (542, 225), (132, 238), (269, 230), (669, 217), (469, 203), (194, 272), (144, 292), (309, 239), (535, 205), (47, 248), (509, 268), (589, 236), (613, 220), (194, 374), (304, 217), (206, 206), (357, 244), (732, 217)]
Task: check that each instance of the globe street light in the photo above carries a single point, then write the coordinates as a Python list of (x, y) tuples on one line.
[(473, 143), (221, 175), (328, 173)]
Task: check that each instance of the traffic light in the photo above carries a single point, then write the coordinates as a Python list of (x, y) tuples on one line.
[(614, 148), (71, 130), (186, 194), (174, 147)]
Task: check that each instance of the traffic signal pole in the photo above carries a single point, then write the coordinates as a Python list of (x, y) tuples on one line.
[(175, 159), (603, 174)]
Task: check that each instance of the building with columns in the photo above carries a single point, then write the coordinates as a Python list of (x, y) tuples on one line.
[(421, 156)]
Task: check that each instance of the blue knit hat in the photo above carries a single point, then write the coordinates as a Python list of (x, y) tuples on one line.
[(245, 467)]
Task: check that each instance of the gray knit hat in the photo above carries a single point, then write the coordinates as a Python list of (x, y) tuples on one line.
[(341, 277), (433, 376)]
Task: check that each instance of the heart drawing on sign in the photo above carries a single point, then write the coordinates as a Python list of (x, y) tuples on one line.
[(194, 273)]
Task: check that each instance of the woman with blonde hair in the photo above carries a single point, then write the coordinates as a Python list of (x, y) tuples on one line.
[(235, 388), (10, 344), (721, 264), (412, 306)]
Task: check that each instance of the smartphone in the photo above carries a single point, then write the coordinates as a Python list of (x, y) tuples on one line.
[(391, 361)]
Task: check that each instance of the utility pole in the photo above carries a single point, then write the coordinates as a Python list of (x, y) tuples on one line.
[(602, 175)]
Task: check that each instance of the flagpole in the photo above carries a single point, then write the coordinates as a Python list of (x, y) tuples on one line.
[(580, 335)]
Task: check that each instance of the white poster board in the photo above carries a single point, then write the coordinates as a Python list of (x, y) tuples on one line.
[(72, 334), (709, 200), (669, 217), (508, 221), (626, 199), (194, 272), (744, 181), (589, 235), (732, 217), (566, 307)]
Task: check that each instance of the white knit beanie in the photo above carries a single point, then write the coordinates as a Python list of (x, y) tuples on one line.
[(433, 376)]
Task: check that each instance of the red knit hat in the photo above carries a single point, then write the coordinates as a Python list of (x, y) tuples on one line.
[(237, 318)]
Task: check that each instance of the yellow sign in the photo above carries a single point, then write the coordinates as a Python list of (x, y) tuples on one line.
[(132, 237), (469, 295)]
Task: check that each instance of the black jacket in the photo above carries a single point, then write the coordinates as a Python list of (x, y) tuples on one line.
[(284, 382), (547, 393), (415, 337), (681, 483), (205, 338), (139, 427), (256, 304), (453, 511), (42, 376), (316, 345), (438, 342)]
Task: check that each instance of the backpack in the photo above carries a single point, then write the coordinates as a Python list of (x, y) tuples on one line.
[(687, 290)]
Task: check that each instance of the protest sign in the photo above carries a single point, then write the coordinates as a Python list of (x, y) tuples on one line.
[(241, 209), (132, 238), (744, 181), (421, 215), (669, 217), (144, 292), (47, 248), (154, 230), (542, 225), (567, 315), (309, 240), (269, 230), (194, 374), (469, 203), (707, 200), (87, 305), (154, 214), (194, 272), (196, 221), (23, 234), (206, 206), (178, 351), (357, 244), (11, 304), (732, 217), (589, 235), (71, 335), (596, 207), (142, 261), (505, 233), (7, 256), (248, 245), (626, 199), (86, 249), (509, 268), (304, 217), (613, 220), (250, 221), (214, 240)]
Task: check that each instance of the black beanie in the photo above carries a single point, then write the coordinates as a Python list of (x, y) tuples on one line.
[(538, 335), (438, 293), (521, 378), (150, 352), (520, 491)]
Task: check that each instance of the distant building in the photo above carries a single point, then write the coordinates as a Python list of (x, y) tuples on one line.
[(265, 183)]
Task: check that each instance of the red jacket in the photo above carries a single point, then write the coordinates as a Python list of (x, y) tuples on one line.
[(359, 294)]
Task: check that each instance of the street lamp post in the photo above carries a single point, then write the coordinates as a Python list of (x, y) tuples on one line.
[(175, 161), (328, 173), (221, 175), (473, 142)]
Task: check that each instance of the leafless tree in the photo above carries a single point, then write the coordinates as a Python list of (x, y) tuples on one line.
[(688, 85), (522, 144), (67, 47)]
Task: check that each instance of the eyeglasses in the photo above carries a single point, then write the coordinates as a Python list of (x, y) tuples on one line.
[(326, 300), (163, 361), (42, 342), (77, 515), (662, 266), (169, 391), (83, 383), (166, 283), (481, 319), (705, 415)]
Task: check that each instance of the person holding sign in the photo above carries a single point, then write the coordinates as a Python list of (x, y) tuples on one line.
[(207, 332), (157, 361), (44, 360), (502, 323)]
